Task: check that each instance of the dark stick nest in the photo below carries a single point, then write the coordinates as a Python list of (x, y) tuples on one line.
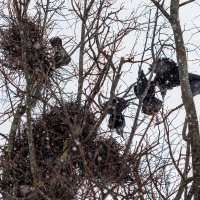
[(26, 37), (58, 156)]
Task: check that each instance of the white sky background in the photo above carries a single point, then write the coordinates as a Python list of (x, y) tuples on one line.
[(189, 17)]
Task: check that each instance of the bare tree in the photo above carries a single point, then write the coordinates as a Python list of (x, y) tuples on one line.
[(191, 116), (88, 121)]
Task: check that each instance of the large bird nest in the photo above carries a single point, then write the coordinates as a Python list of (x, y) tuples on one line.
[(24, 46), (63, 160)]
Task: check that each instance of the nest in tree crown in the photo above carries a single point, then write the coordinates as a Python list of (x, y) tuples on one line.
[(54, 146), (58, 156), (24, 45)]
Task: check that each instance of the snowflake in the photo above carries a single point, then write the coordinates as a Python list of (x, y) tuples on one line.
[(99, 158), (74, 148), (77, 142)]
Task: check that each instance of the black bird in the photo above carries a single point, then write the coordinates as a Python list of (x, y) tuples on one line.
[(61, 57), (141, 84), (194, 80), (117, 122), (117, 119), (56, 42), (167, 77), (150, 105), (117, 106)]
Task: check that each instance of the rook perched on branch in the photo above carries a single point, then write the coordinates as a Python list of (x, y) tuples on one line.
[(117, 122), (141, 84), (167, 77), (118, 105), (61, 57), (150, 105)]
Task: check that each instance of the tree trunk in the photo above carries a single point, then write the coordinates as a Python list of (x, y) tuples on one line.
[(187, 97)]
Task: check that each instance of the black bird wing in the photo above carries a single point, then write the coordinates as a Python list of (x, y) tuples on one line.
[(61, 58), (151, 92), (194, 80), (151, 106), (193, 77), (117, 122), (141, 84), (121, 105)]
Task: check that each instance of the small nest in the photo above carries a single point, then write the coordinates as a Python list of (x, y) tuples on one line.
[(108, 160), (33, 46)]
